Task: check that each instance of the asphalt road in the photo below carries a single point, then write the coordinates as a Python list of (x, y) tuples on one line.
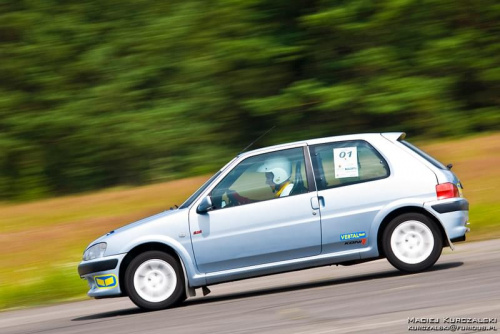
[(369, 298)]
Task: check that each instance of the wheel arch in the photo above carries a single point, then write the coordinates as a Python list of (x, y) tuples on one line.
[(403, 210), (149, 246)]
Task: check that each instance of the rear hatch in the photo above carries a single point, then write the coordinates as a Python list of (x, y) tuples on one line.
[(448, 184)]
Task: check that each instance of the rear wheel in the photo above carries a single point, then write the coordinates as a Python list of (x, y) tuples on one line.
[(412, 242), (154, 280)]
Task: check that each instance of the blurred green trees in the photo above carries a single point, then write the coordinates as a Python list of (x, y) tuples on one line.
[(101, 93)]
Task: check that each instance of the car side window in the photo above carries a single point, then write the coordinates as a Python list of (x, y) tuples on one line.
[(347, 162), (262, 177)]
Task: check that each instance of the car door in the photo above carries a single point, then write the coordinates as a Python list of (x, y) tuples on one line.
[(350, 175), (250, 224)]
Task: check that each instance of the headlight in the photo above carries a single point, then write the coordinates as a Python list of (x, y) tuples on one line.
[(94, 251)]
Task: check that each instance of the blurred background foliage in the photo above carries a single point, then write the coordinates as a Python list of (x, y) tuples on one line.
[(96, 94)]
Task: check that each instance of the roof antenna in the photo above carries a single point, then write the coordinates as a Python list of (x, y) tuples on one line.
[(262, 135)]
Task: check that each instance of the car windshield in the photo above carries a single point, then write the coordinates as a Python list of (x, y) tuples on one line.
[(204, 186), (197, 193)]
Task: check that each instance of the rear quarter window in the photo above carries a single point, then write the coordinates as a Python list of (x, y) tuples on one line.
[(424, 155), (348, 162)]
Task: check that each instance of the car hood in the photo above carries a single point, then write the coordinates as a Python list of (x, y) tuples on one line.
[(143, 221), (138, 226)]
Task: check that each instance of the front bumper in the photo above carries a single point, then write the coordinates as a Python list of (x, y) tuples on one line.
[(102, 276), (453, 215)]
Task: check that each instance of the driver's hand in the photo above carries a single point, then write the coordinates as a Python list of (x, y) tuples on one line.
[(237, 199), (231, 198)]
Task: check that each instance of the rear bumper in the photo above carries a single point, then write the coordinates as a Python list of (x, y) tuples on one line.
[(454, 216), (456, 205), (102, 276), (459, 239)]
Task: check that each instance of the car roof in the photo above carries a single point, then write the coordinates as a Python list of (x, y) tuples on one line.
[(393, 136)]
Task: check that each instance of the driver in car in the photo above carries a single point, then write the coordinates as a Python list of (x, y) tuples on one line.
[(278, 171)]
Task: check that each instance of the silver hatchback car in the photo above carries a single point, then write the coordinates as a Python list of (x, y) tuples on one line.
[(338, 200)]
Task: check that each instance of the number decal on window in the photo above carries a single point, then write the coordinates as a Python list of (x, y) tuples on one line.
[(344, 153), (346, 162)]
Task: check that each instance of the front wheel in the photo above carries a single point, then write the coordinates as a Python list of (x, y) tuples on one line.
[(154, 281), (412, 242)]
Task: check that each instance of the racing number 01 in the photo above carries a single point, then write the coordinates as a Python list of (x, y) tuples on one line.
[(343, 154)]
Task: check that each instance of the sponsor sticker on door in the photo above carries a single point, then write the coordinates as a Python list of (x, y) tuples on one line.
[(353, 236)]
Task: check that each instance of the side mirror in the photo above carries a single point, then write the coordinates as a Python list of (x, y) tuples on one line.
[(205, 205)]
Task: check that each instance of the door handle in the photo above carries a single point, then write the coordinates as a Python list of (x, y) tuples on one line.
[(315, 203)]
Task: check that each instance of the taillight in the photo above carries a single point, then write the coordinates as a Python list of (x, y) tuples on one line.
[(447, 190)]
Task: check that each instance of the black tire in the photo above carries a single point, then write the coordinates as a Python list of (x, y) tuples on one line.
[(160, 281), (412, 242)]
